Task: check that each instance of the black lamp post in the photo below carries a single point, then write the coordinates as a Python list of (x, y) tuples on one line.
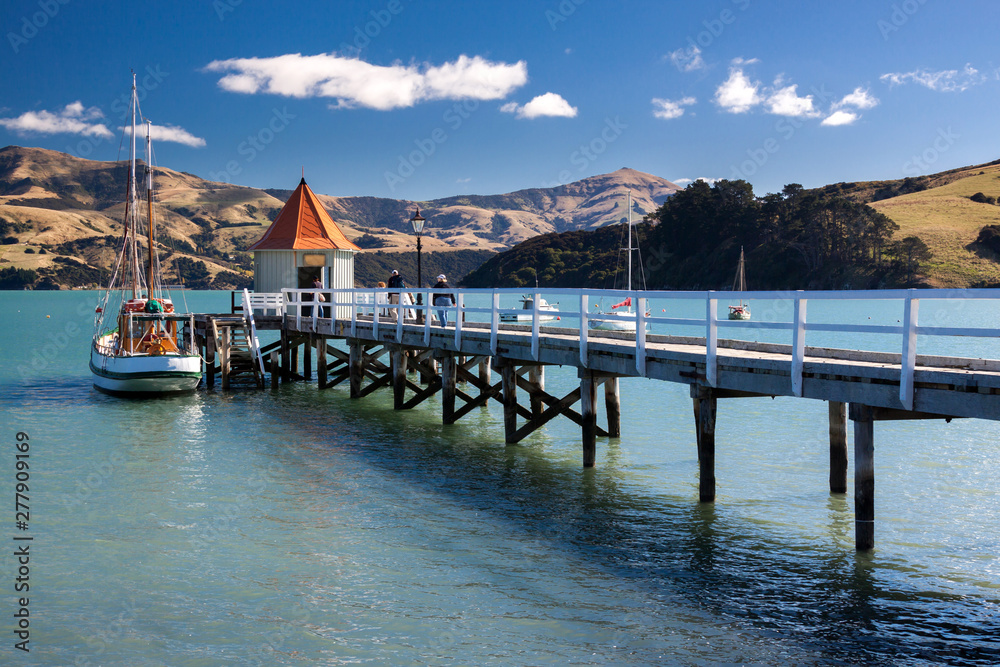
[(418, 228)]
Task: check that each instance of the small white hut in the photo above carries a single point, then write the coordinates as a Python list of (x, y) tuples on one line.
[(301, 244)]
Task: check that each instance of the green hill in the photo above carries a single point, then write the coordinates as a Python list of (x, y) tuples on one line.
[(949, 222)]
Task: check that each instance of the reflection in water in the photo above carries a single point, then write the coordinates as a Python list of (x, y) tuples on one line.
[(303, 527), (830, 599)]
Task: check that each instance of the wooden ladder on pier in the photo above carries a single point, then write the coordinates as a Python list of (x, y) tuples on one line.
[(238, 351)]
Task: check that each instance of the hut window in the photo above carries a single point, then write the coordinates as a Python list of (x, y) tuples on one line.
[(314, 260)]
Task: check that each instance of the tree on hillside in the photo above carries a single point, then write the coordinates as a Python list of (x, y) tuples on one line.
[(911, 251)]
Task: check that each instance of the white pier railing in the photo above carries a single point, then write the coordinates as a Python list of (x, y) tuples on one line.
[(305, 306)]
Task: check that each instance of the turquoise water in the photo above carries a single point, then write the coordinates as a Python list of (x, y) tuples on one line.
[(301, 527)]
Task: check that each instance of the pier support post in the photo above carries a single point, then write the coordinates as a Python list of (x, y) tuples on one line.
[(613, 406), (449, 380), (210, 347), (224, 358), (320, 342), (275, 369), (508, 375), (536, 376), (398, 377), (484, 375), (838, 447), (588, 411), (295, 360), (356, 371), (864, 476), (705, 406), (307, 357), (285, 357)]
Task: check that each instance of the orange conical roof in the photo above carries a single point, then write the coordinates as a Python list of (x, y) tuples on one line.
[(303, 224)]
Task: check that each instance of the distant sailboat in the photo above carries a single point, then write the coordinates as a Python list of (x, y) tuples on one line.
[(624, 319), (740, 311)]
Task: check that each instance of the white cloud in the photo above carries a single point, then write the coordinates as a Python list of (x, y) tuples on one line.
[(738, 94), (945, 81), (463, 180), (786, 102), (840, 118), (171, 133), (687, 60), (354, 83), (549, 104), (859, 99), (688, 181), (669, 109), (72, 119)]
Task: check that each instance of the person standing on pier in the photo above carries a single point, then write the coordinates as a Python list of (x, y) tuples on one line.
[(396, 283), (443, 300)]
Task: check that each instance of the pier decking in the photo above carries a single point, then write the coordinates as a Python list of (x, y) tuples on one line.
[(875, 385)]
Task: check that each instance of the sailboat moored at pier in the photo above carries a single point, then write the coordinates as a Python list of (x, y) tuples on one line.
[(141, 345)]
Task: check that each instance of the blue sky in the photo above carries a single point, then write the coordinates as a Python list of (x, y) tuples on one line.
[(420, 100)]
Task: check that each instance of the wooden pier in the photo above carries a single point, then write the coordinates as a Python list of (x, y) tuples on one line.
[(473, 362)]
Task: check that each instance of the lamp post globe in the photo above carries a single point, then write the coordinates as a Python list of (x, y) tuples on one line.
[(418, 228)]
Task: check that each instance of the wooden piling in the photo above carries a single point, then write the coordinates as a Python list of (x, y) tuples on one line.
[(706, 446), (285, 357), (210, 346), (307, 357), (449, 379), (508, 375), (536, 376), (294, 367), (320, 343), (588, 411), (484, 374), (275, 369), (697, 423), (356, 372), (864, 477), (398, 355), (613, 406), (838, 447), (224, 358)]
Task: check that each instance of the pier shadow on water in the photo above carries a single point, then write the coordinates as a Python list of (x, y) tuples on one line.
[(833, 603)]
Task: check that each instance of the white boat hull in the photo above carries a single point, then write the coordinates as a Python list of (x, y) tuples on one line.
[(526, 319), (145, 374), (621, 322)]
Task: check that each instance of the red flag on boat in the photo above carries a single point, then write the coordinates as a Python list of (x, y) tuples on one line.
[(626, 302)]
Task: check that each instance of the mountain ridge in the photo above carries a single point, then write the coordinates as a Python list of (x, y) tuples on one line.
[(70, 207)]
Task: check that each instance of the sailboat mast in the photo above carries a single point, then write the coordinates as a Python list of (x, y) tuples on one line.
[(130, 206), (629, 240), (149, 208)]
